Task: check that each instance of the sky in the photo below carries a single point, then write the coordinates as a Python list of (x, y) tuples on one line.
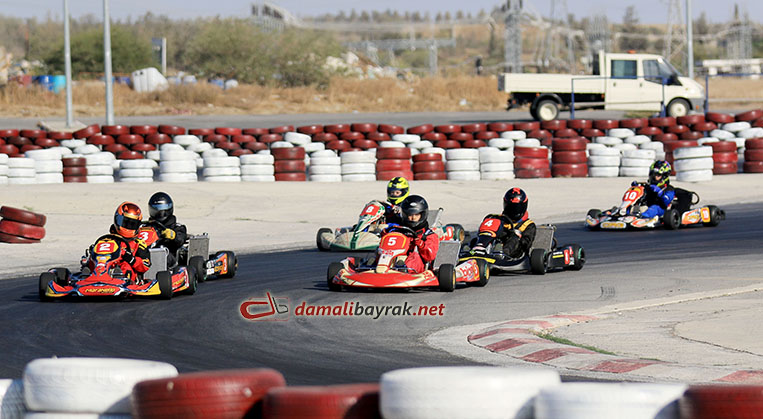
[(649, 11)]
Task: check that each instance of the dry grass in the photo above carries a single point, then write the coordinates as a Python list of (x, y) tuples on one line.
[(457, 93)]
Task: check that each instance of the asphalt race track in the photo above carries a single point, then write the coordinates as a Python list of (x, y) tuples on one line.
[(207, 330)]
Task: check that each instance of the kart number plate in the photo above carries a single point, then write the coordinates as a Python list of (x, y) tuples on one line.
[(613, 224)]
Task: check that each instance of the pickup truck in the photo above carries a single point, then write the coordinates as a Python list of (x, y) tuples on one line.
[(638, 82)]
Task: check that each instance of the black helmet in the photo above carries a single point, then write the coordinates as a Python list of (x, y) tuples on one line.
[(414, 204), (160, 207), (515, 204)]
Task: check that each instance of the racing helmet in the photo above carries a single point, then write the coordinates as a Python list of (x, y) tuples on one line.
[(127, 219), (515, 204), (160, 207), (397, 190), (659, 173), (412, 205)]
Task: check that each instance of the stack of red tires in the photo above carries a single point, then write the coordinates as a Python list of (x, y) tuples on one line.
[(392, 162), (429, 166), (569, 157), (21, 226), (289, 164), (753, 155)]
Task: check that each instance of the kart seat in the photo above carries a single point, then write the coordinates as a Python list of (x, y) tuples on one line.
[(684, 199)]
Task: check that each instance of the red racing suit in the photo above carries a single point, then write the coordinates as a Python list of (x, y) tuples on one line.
[(425, 247), (138, 250)]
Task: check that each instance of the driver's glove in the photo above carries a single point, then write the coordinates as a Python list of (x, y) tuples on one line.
[(657, 190), (129, 258), (169, 234), (634, 183)]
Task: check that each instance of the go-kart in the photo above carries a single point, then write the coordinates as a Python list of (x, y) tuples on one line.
[(386, 267), (365, 235), (544, 256), (678, 214), (194, 252), (103, 276)]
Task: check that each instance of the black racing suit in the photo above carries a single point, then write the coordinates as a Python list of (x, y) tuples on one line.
[(171, 223), (517, 238)]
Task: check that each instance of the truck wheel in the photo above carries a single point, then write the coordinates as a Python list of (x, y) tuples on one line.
[(678, 107), (547, 110), (446, 277), (538, 263), (534, 112)]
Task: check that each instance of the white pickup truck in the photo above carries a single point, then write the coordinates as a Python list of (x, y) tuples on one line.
[(619, 82)]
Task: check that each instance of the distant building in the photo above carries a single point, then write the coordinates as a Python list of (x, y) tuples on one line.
[(273, 17)]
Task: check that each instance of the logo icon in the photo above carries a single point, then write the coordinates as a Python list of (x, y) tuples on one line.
[(269, 308)]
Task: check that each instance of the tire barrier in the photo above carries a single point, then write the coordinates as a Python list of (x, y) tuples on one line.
[(362, 166), (47, 165), (496, 163), (722, 402), (568, 158), (693, 164), (531, 161), (21, 171), (394, 159), (4, 169), (344, 401), (100, 167), (257, 168), (289, 163), (137, 171), (21, 226), (462, 164), (429, 166), (753, 155)]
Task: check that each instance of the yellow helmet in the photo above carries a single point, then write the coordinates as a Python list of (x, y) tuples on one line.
[(397, 190)]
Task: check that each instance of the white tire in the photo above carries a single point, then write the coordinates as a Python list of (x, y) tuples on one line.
[(21, 162), (420, 145), (391, 144), (324, 153), (22, 180), (692, 152), (11, 399), (171, 147), (702, 163), (634, 171), (256, 159), (221, 171), (594, 146), (125, 173), (313, 147), (722, 134), (186, 140), (213, 153), (358, 168), (72, 144), (607, 151), (508, 175), (325, 178), (200, 147), (464, 175), (4, 159), (621, 133), (227, 161), (62, 151), (514, 135), (461, 165), (258, 178), (154, 155), (751, 133), (462, 154), (707, 140), (48, 166), (87, 149), (624, 147), (257, 170), (178, 166), (266, 152), (654, 145), (99, 178), (639, 154), (610, 141), (222, 179), (281, 144), (735, 127), (434, 150), (359, 178), (177, 155), (406, 138), (448, 392), (414, 152), (331, 161), (100, 170), (136, 179), (138, 164), (631, 162), (116, 164), (87, 385), (502, 143), (637, 139), (740, 143), (334, 169), (603, 171), (42, 155), (604, 161), (609, 400), (4, 170), (506, 156), (178, 177), (527, 142), (48, 178), (297, 138), (3, 180), (21, 172), (659, 155), (496, 167), (356, 157)]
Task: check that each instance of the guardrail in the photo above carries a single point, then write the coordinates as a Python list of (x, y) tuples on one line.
[(741, 99), (663, 82)]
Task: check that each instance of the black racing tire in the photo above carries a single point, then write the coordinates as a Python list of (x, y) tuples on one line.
[(164, 278), (579, 253), (446, 278), (538, 263), (200, 267), (62, 276), (193, 280), (459, 233), (334, 268), (232, 264), (594, 213), (671, 220), (318, 241), (678, 107), (716, 215), (45, 279), (484, 270)]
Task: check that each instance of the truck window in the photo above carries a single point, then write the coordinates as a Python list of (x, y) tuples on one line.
[(657, 70), (652, 71), (624, 69)]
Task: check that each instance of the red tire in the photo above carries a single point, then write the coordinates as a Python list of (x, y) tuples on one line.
[(19, 141), (46, 142), (580, 124), (428, 166), (386, 175), (9, 238), (240, 152), (461, 136), (719, 118), (378, 136), (530, 163), (28, 147), (753, 143), (228, 145), (33, 133), (255, 146), (115, 148), (568, 157), (228, 131), (500, 126), (723, 146), (690, 119), (474, 144), (391, 129), (88, 131), (383, 153), (158, 138), (270, 138), (725, 168), (634, 123), (665, 138), (242, 138), (100, 139), (749, 116), (605, 124), (143, 129), (672, 145), (753, 154), (352, 136), (486, 135), (221, 394), (289, 166), (722, 402), (291, 177), (568, 144), (364, 127), (130, 155), (704, 126), (677, 129), (75, 179), (427, 157), (569, 170), (758, 123), (691, 135), (215, 138), (566, 133), (115, 130), (255, 131), (288, 153), (592, 133), (338, 145), (430, 176), (323, 137), (171, 130), (554, 125), (74, 161), (28, 231), (75, 171), (22, 216), (282, 129), (335, 401), (533, 152), (130, 139), (310, 129), (201, 132), (662, 121), (474, 128), (447, 129), (58, 135), (527, 126), (5, 133), (448, 144), (337, 128), (753, 167), (434, 136), (364, 144), (143, 147), (420, 129), (532, 173), (388, 165), (726, 157)]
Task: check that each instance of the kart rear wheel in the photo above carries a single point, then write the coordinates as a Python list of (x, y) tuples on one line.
[(594, 213), (193, 280), (579, 253), (45, 279), (458, 232), (716, 215), (318, 240), (671, 219), (446, 278), (538, 262), (200, 267), (484, 269), (232, 264), (164, 279), (334, 268)]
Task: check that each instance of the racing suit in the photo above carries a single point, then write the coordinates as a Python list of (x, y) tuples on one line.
[(173, 240), (392, 213), (425, 247), (134, 255), (517, 238), (657, 199)]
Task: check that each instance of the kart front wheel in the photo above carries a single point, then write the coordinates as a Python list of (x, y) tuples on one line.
[(446, 278), (193, 280), (164, 279), (538, 264), (62, 276), (716, 215), (318, 239), (334, 268), (45, 279), (579, 253), (231, 263), (594, 213), (200, 267), (484, 269), (671, 219)]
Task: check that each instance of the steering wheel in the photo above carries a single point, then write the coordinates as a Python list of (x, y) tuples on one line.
[(402, 229)]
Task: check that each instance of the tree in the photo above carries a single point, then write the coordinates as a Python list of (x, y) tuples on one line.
[(631, 37), (701, 26)]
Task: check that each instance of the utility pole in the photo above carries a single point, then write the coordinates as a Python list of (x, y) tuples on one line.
[(107, 64), (513, 37), (67, 66), (689, 41)]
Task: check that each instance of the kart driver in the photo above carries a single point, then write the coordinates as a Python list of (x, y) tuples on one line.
[(414, 211), (127, 221), (513, 227), (397, 191), (659, 192), (172, 234)]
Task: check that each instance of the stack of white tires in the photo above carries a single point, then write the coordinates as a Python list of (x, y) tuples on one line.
[(496, 163), (177, 165), (137, 171), (100, 167), (220, 167), (693, 164), (358, 166), (47, 165), (12, 399), (257, 168), (325, 166), (636, 162), (21, 171), (603, 161), (4, 169), (463, 164)]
